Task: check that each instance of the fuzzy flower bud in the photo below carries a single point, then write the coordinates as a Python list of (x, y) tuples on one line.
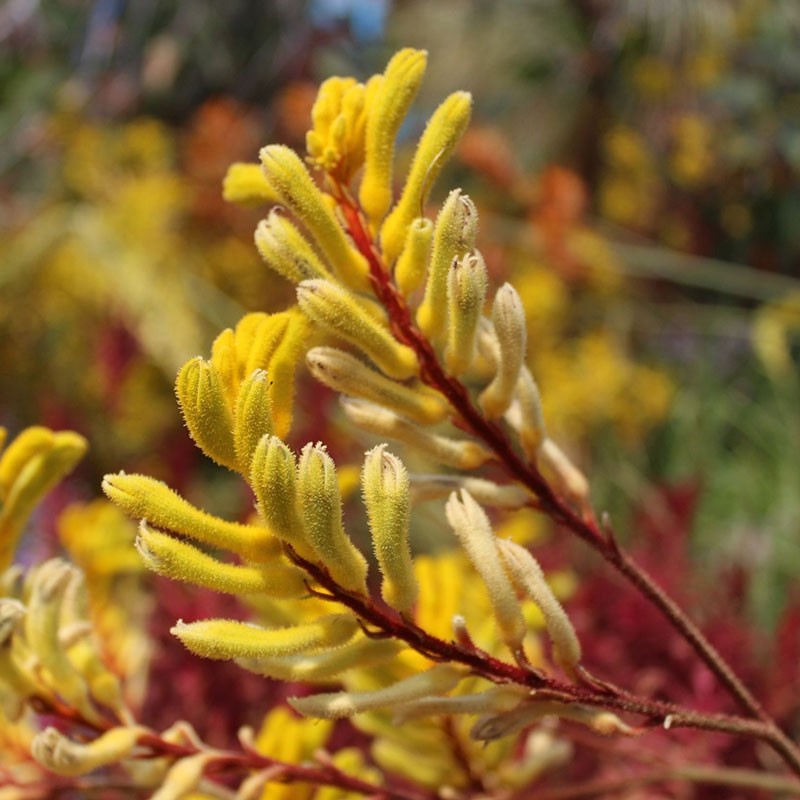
[(321, 510), (336, 309), (286, 250), (290, 179), (466, 293), (508, 315), (202, 398), (347, 375), (526, 415), (384, 481), (412, 265), (181, 561), (227, 639), (142, 497), (441, 135), (393, 98), (453, 237), (245, 183), (473, 529), (438, 680), (61, 755), (458, 453), (252, 418), (526, 573), (569, 480)]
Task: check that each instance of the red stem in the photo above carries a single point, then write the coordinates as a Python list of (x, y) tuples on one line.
[(471, 419)]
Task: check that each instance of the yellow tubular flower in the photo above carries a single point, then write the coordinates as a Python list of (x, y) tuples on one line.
[(347, 375), (334, 308), (358, 653), (385, 114), (245, 183), (526, 415), (466, 294), (458, 453), (253, 417), (31, 465), (227, 639), (203, 402), (438, 141), (384, 481), (273, 477), (181, 561), (61, 755), (412, 265), (142, 497), (183, 778), (438, 680), (473, 529), (321, 510), (508, 315), (290, 179), (286, 250), (282, 368), (525, 571), (453, 237), (335, 144), (226, 363), (42, 624)]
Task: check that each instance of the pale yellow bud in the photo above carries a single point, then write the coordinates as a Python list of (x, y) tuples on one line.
[(569, 480), (321, 511), (206, 410), (181, 561), (441, 135), (288, 176), (508, 315), (273, 476), (61, 755), (453, 237), (245, 183), (347, 375), (487, 493), (526, 416), (384, 482), (286, 250), (412, 265), (183, 777), (466, 294), (143, 497), (323, 666), (42, 627), (228, 639), (334, 308), (495, 700), (527, 575), (473, 529), (458, 453), (438, 680), (385, 114), (252, 418)]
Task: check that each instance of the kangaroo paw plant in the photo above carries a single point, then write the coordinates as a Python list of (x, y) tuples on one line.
[(461, 670)]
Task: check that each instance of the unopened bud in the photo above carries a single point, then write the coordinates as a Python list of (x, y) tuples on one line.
[(336, 309), (346, 374), (466, 294)]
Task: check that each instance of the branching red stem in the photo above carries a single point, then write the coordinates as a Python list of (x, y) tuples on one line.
[(602, 541)]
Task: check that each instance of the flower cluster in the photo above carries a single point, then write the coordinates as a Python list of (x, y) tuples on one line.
[(431, 656)]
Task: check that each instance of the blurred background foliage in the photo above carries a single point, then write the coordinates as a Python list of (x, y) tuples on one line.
[(635, 164)]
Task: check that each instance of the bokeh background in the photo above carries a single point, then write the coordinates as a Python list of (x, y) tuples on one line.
[(637, 169)]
